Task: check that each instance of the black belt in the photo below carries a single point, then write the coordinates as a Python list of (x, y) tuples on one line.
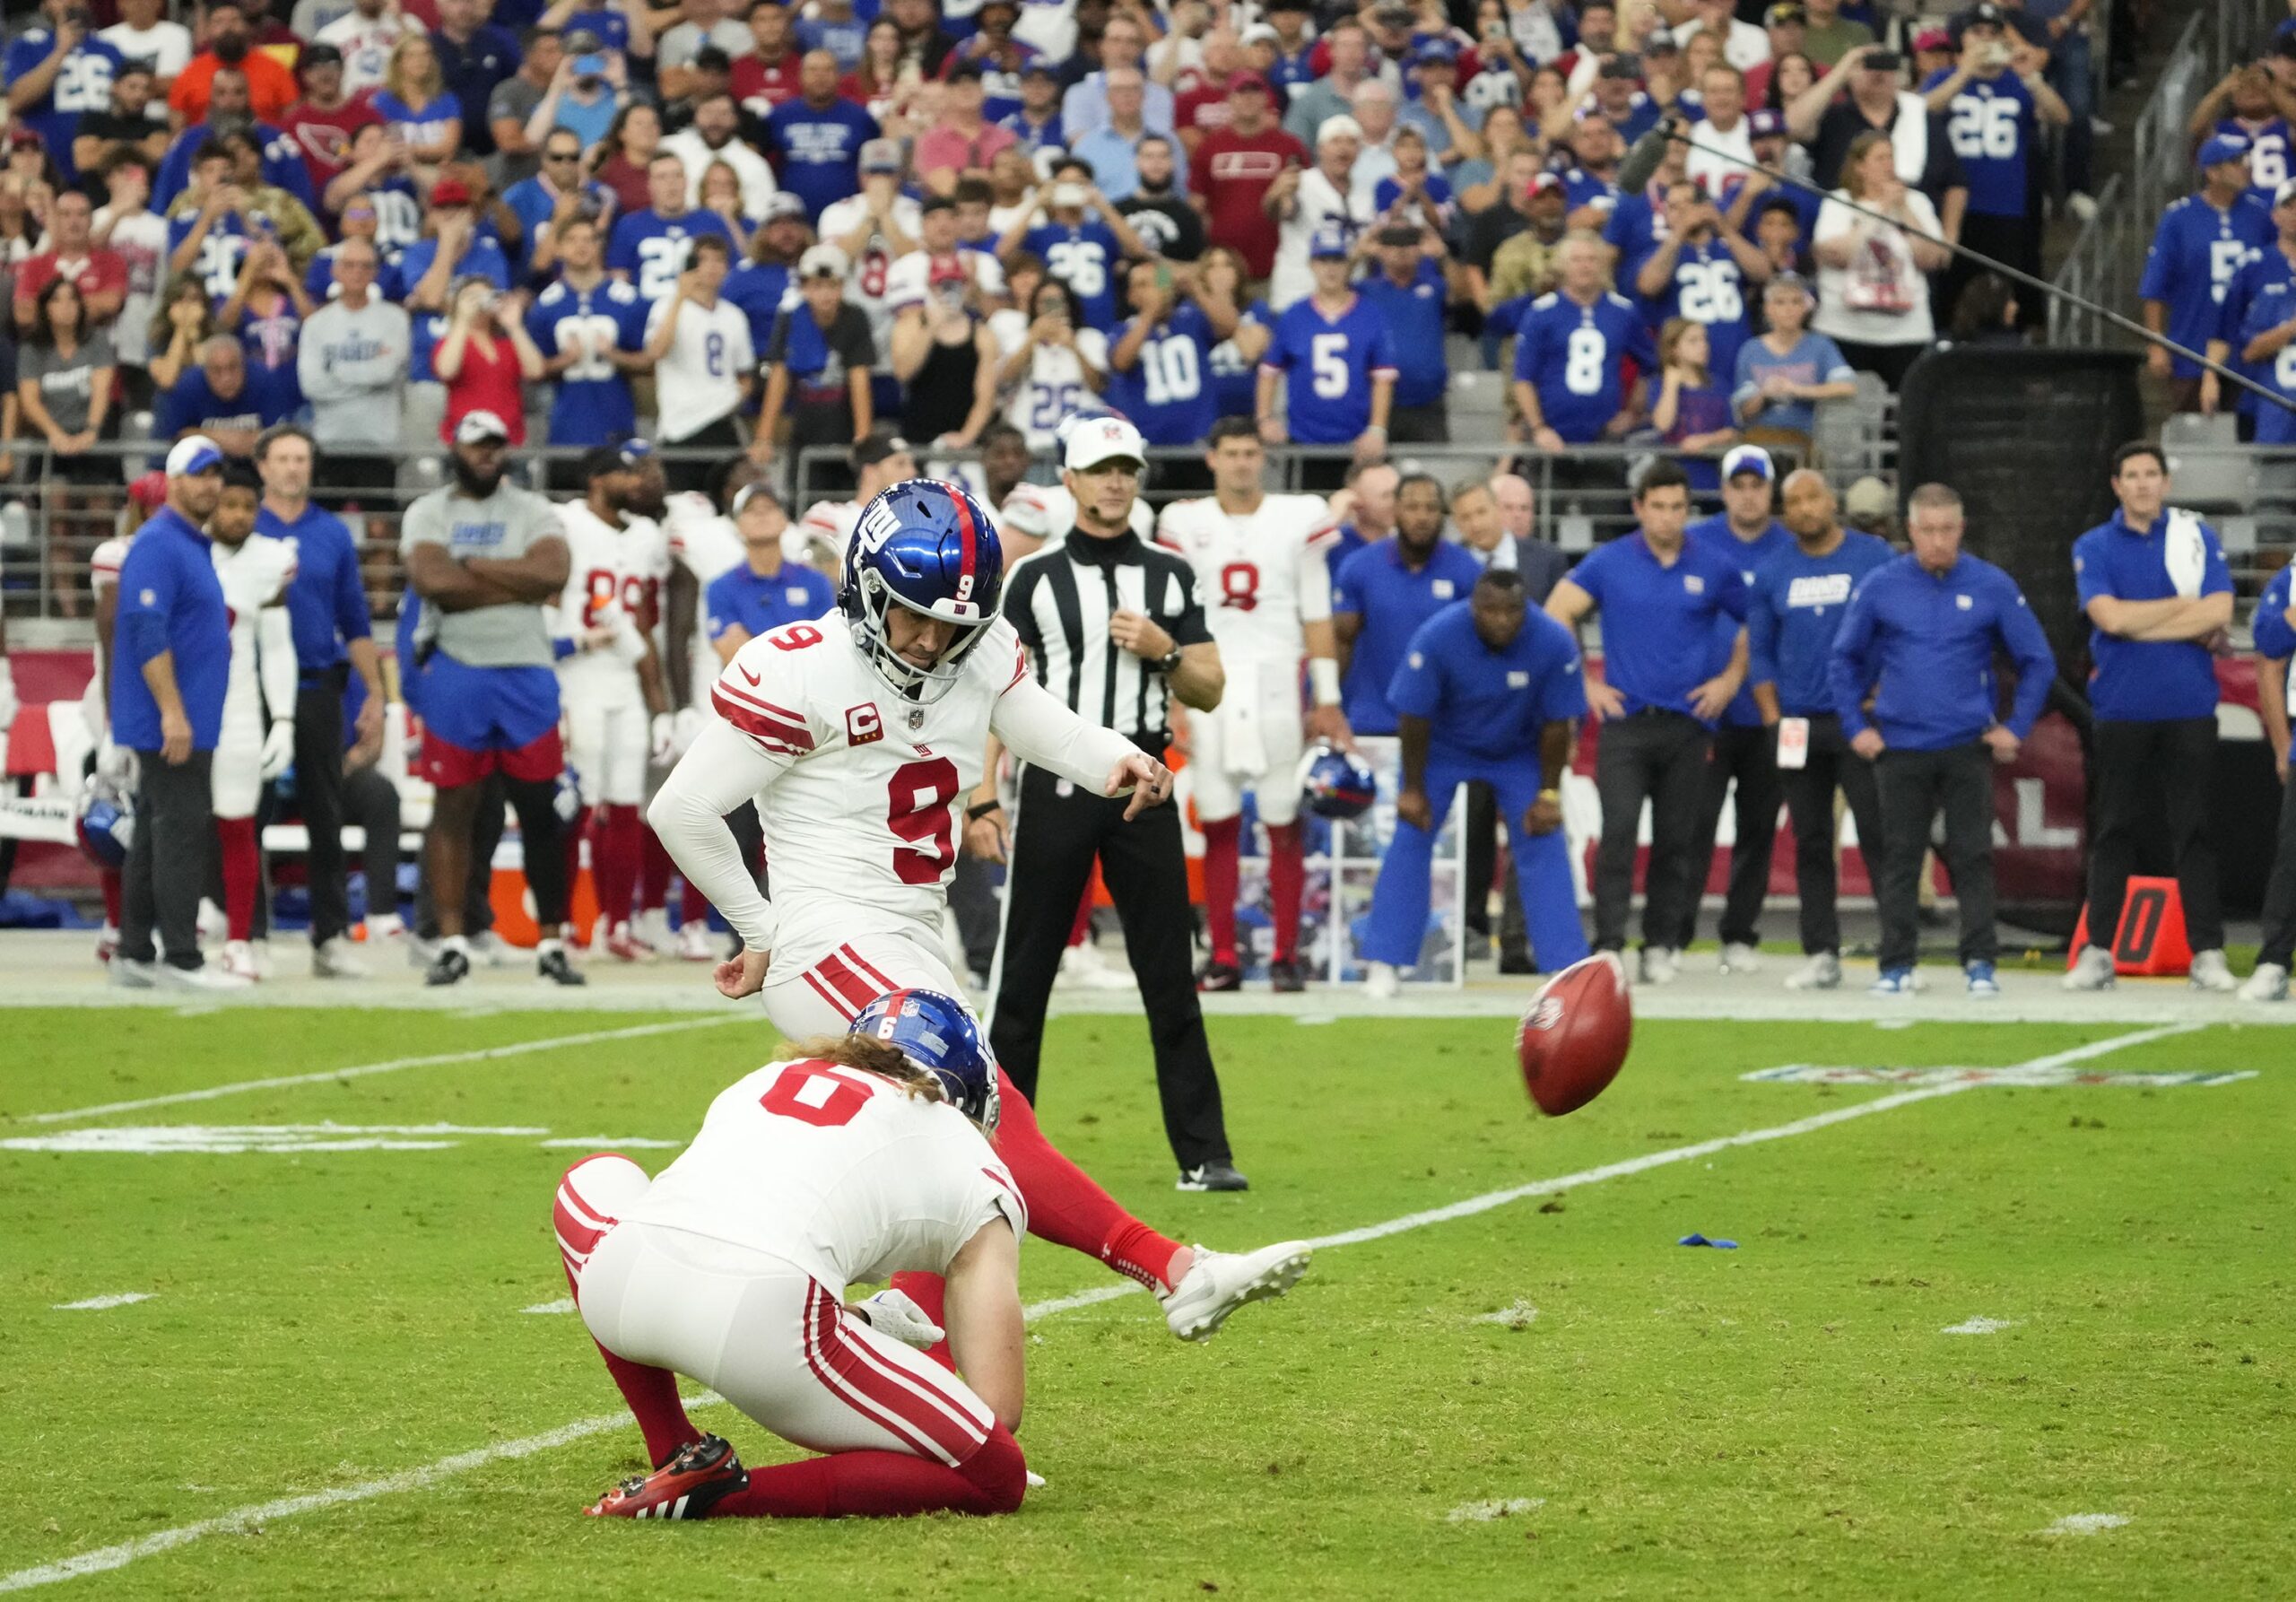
[(339, 674)]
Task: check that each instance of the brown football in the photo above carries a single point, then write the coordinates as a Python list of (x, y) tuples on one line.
[(1574, 1039)]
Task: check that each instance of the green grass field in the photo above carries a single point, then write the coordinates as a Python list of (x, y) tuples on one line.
[(1786, 1419)]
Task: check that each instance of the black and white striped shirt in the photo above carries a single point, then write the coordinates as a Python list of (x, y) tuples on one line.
[(1059, 601)]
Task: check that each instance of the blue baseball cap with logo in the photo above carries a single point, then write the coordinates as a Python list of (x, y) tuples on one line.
[(193, 454), (1329, 240), (2220, 149)]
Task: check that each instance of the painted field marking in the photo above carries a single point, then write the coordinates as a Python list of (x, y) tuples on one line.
[(98, 1303), (1483, 1512), (2023, 1076), (395, 1065), (1516, 1317), (1981, 1327), (161, 1139), (107, 1558), (564, 1305), (2086, 1524)]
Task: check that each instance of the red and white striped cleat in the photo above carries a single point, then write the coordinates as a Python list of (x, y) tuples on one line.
[(703, 1473), (626, 948)]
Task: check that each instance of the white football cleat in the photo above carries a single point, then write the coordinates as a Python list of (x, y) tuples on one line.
[(693, 942), (1658, 965), (107, 943), (239, 960), (1380, 982), (488, 947), (652, 927), (2092, 972), (1820, 972), (2269, 982), (129, 974), (1082, 965), (212, 926), (1218, 1283), (1738, 957), (2210, 972), (210, 976), (336, 958)]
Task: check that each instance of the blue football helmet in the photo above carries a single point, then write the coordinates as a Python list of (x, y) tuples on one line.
[(928, 546), (939, 1034), (106, 826), (1335, 783)]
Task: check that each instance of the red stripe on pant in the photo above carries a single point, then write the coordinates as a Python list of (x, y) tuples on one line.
[(856, 991), (911, 1407), (855, 960)]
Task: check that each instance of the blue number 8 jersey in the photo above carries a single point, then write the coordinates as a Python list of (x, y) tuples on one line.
[(1574, 358)]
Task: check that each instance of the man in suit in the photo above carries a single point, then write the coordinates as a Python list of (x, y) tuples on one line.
[(1484, 531)]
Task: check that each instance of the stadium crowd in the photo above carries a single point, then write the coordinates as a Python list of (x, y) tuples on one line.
[(310, 245)]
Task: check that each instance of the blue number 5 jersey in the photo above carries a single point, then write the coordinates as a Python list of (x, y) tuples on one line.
[(1331, 362), (2197, 250)]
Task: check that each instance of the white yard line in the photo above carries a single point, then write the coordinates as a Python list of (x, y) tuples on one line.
[(2086, 1524), (96, 1304), (107, 1558), (396, 1064)]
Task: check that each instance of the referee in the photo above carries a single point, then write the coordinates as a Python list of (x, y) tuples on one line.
[(1115, 627)]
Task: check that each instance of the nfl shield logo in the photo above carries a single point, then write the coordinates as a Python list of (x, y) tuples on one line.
[(916, 718)]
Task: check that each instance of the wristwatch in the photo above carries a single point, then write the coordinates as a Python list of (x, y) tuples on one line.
[(1168, 662)]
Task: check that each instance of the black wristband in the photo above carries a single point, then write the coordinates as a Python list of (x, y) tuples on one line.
[(973, 814)]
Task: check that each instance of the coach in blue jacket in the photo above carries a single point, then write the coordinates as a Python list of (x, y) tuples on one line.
[(2153, 583), (1489, 690), (172, 661), (1919, 642)]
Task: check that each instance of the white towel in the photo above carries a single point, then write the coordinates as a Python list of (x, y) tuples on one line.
[(1244, 747), (1909, 138), (2185, 553)]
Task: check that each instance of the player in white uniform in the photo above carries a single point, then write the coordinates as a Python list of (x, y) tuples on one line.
[(1262, 560), (860, 1154), (257, 741), (881, 460), (859, 736), (609, 677)]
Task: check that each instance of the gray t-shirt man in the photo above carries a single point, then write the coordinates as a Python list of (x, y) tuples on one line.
[(505, 526), (515, 97)]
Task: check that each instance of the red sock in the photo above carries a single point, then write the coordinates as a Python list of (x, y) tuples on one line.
[(616, 847), (1287, 883), (577, 831), (236, 837), (1081, 929), (654, 870), (1221, 848), (1067, 1210), (931, 1293), (883, 1485), (110, 879), (693, 907), (652, 1393)]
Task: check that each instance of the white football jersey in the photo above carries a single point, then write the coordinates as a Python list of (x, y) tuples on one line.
[(837, 1170), (862, 827), (706, 545), (827, 530), (1263, 575), (910, 277), (613, 576), (870, 275), (103, 567), (254, 576), (1048, 512)]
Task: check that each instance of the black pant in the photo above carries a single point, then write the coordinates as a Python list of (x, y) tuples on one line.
[(972, 897), (372, 801), (2132, 763), (1483, 826), (1658, 757), (2016, 240), (366, 481), (478, 907), (1915, 786), (1055, 837), (721, 439), (318, 795), (170, 857), (2279, 890), (1809, 801), (1887, 362), (1429, 424), (1750, 756)]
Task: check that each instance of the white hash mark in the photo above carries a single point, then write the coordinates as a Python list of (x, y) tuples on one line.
[(2086, 1524), (564, 1305), (95, 1304), (1981, 1327), (1518, 1316), (1483, 1512)]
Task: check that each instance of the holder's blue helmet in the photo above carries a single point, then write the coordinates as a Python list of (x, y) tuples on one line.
[(928, 546), (105, 826), (939, 1034), (1335, 783)]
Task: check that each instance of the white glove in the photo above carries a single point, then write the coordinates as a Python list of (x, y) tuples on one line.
[(114, 764), (662, 731), (278, 749), (891, 1313), (685, 728), (7, 697)]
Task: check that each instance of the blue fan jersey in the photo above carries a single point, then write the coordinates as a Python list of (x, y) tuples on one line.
[(2269, 266), (593, 404), (1168, 393), (1792, 615), (1574, 357), (1083, 256), (1993, 128), (1709, 288), (1414, 313), (2197, 250), (83, 83), (283, 166), (1331, 362), (1235, 382), (2273, 304), (2267, 152), (818, 152), (759, 289), (1583, 188), (482, 257), (1636, 228), (651, 249), (220, 251)]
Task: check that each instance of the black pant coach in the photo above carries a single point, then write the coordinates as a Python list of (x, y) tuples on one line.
[(1115, 627)]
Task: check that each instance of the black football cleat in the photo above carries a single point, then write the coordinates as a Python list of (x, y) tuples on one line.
[(1284, 977), (1213, 1176), (553, 967), (449, 967), (704, 1473), (1217, 976)]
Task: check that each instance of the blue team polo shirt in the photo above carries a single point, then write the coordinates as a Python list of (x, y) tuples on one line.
[(1487, 707), (1375, 585), (1752, 556), (327, 603), (1659, 619), (170, 600), (1793, 612), (741, 595), (1413, 314), (2145, 681)]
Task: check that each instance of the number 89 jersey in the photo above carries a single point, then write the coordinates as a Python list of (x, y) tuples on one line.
[(1263, 574), (614, 577)]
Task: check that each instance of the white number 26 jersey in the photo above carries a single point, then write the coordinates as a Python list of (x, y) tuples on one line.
[(1263, 575)]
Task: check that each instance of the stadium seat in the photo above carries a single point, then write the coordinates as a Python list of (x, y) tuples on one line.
[(1850, 437), (2212, 471)]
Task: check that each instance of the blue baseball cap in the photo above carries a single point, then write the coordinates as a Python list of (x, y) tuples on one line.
[(1328, 241), (193, 454), (1748, 459), (2223, 148), (1433, 50)]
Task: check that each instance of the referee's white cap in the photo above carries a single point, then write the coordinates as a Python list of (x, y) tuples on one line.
[(1104, 439)]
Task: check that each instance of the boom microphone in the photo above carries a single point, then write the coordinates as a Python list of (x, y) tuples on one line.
[(1642, 160)]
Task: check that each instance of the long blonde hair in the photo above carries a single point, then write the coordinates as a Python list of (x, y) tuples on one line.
[(395, 78), (870, 1056)]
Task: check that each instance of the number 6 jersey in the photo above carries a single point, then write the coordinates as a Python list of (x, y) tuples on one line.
[(858, 788)]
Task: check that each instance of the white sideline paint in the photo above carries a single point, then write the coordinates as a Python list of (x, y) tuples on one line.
[(2020, 1077), (396, 1064), (1483, 1512), (610, 1143), (107, 1558), (95, 1304), (161, 1139), (2086, 1524), (1981, 1327), (564, 1305)]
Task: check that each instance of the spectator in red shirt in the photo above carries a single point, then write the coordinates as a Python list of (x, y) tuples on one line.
[(323, 122), (230, 42), (767, 77), (99, 276), (1203, 108), (1234, 167), (485, 358), (959, 144)]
